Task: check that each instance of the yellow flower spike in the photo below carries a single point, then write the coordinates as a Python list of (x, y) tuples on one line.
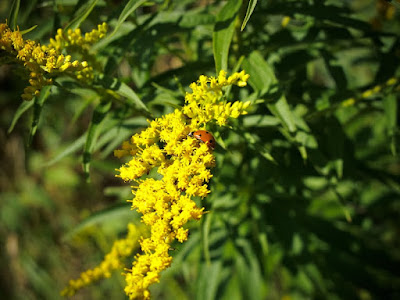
[(166, 204), (112, 261), (45, 61)]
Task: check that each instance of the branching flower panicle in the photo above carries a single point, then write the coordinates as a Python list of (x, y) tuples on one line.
[(184, 162), (42, 62), (112, 261)]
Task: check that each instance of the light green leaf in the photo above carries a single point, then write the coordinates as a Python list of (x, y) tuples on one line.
[(282, 110), (249, 270), (28, 30), (250, 9), (223, 33), (262, 76), (114, 86), (125, 91), (208, 280), (81, 14)]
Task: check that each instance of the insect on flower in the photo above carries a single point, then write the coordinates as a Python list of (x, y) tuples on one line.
[(204, 137)]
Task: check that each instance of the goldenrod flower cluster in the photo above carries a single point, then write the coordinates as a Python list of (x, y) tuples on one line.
[(184, 162), (73, 38), (391, 82), (112, 261), (45, 62)]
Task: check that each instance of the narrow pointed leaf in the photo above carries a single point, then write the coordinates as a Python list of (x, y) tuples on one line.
[(223, 33), (37, 110), (23, 107), (12, 17), (250, 9), (72, 148), (130, 7), (98, 116), (81, 14)]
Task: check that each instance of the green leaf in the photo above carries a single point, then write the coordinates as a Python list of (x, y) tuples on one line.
[(81, 14), (250, 9), (23, 107), (98, 116), (126, 12), (262, 76), (108, 215), (28, 30), (205, 234), (116, 133), (248, 268), (257, 146), (125, 91), (13, 15), (223, 33), (391, 112), (113, 85), (208, 280), (260, 121), (37, 110), (282, 110), (72, 148)]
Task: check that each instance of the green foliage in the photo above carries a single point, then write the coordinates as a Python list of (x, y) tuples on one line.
[(305, 198)]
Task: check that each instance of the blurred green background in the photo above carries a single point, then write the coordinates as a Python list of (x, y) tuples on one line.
[(305, 200)]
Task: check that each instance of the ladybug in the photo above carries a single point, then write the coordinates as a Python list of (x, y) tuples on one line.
[(204, 137)]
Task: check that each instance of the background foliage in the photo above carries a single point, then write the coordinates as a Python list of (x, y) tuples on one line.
[(305, 196)]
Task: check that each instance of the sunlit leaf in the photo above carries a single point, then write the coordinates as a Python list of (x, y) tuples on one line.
[(250, 9), (223, 33)]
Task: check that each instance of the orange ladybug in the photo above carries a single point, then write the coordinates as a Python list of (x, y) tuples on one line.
[(204, 137)]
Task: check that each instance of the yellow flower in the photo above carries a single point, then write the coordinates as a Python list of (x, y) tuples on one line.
[(184, 163), (112, 261), (45, 62)]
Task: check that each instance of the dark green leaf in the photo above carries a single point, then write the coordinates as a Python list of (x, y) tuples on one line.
[(37, 110), (81, 14), (390, 104), (23, 107), (13, 15), (72, 148), (98, 116), (129, 8)]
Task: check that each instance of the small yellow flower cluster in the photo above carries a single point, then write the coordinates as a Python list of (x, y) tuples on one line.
[(370, 92), (204, 104), (112, 261), (45, 62), (184, 162), (71, 38)]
